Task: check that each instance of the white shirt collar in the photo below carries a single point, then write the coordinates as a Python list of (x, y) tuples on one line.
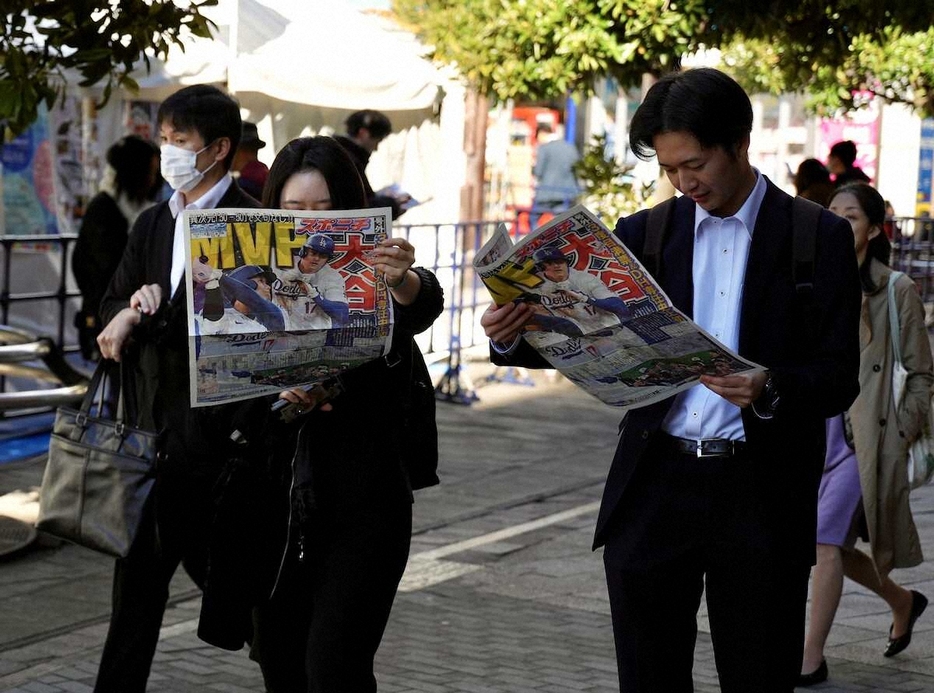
[(748, 213), (209, 200)]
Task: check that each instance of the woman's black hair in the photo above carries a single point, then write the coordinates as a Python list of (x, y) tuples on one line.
[(322, 154), (131, 158), (810, 172), (879, 247)]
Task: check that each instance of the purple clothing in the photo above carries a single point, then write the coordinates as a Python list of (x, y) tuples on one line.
[(839, 499)]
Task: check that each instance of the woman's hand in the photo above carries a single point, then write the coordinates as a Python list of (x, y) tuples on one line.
[(503, 323), (306, 399), (392, 258)]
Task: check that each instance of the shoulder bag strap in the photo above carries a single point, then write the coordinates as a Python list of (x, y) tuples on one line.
[(894, 327), (656, 228), (805, 218)]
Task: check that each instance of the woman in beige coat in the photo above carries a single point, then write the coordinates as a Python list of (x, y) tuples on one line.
[(864, 489)]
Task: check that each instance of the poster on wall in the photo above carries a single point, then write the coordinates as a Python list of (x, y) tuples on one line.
[(28, 187), (925, 169), (71, 176), (862, 127), (141, 119)]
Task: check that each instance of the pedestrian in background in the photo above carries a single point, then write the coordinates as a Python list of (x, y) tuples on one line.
[(354, 462), (252, 172), (556, 186), (129, 185), (145, 307), (812, 182), (864, 487), (716, 487), (365, 130), (842, 164)]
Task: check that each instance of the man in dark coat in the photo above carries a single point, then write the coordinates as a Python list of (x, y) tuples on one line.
[(716, 487), (365, 130), (145, 308)]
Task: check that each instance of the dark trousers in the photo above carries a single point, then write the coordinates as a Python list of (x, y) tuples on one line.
[(141, 580), (682, 522), (321, 629)]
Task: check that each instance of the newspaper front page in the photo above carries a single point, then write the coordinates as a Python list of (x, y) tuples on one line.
[(598, 316), (281, 298)]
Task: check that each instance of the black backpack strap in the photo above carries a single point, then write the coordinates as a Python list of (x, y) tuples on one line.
[(805, 218), (656, 228)]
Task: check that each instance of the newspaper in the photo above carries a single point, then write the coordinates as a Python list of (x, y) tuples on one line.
[(598, 316), (281, 298)]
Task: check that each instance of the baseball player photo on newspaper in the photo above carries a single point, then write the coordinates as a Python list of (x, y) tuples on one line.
[(597, 316), (281, 299)]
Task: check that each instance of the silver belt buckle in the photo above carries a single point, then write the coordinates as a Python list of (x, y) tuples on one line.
[(701, 453)]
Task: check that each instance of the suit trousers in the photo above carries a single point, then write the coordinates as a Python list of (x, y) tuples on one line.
[(141, 579), (684, 525), (323, 625)]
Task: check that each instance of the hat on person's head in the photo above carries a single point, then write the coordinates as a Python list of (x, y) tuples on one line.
[(249, 137), (319, 243), (548, 253)]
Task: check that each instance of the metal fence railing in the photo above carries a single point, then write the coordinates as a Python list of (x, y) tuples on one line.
[(913, 251), (448, 250)]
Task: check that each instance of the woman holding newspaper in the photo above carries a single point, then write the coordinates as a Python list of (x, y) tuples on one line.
[(359, 448), (864, 487)]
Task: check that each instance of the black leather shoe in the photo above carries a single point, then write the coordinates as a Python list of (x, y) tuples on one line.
[(819, 675), (895, 645)]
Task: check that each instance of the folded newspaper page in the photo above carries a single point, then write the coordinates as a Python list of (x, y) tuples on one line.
[(598, 316), (282, 298)]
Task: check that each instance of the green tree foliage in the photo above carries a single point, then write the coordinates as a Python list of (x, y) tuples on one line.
[(608, 185), (537, 49), (101, 41), (891, 63)]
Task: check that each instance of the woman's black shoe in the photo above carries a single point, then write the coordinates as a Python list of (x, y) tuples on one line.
[(918, 604), (819, 675)]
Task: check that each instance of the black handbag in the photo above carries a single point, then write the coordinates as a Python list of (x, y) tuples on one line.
[(100, 471)]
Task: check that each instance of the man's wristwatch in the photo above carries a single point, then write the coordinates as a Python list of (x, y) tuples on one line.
[(768, 401)]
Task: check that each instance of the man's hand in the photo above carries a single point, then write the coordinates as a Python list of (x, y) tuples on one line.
[(741, 390), (503, 323), (147, 299), (114, 337)]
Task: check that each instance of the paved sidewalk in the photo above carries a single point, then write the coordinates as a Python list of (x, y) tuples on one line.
[(503, 593)]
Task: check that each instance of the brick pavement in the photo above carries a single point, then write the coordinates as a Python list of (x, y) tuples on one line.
[(527, 612)]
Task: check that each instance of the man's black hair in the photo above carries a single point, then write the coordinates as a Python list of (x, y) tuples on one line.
[(702, 102), (208, 111), (374, 121)]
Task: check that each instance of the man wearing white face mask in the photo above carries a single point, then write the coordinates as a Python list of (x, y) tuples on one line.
[(144, 307)]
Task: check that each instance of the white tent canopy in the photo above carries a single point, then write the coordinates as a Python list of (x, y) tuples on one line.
[(313, 52), (300, 67)]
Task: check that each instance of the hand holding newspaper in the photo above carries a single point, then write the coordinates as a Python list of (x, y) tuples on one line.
[(597, 315)]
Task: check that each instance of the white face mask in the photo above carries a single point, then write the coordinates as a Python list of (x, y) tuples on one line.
[(179, 167)]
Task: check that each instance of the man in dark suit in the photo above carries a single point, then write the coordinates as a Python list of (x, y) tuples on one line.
[(145, 308), (716, 488)]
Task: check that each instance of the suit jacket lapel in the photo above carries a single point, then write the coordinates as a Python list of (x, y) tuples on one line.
[(770, 240)]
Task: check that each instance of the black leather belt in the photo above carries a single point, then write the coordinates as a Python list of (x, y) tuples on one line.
[(706, 447)]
